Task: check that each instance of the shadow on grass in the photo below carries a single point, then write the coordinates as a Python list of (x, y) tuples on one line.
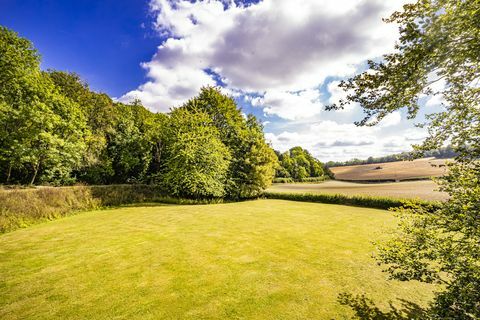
[(365, 309)]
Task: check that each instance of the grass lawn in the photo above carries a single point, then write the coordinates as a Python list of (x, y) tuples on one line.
[(265, 259), (423, 189)]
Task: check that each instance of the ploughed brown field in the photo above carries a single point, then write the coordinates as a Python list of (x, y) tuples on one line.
[(399, 170), (422, 189)]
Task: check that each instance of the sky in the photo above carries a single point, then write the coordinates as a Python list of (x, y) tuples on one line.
[(280, 59)]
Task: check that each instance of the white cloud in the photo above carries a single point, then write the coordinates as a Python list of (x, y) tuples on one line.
[(172, 86), (290, 105), (391, 119), (435, 101), (329, 140), (337, 94), (275, 45), (277, 55)]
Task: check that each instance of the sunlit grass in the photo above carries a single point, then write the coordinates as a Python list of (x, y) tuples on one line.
[(265, 259)]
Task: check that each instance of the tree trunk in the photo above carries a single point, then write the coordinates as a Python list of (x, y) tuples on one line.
[(9, 172), (35, 173)]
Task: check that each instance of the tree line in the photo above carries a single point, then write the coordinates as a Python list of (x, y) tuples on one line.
[(439, 153), (54, 130)]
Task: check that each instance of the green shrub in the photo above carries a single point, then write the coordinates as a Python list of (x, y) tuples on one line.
[(283, 180), (358, 201), (313, 179), (307, 179)]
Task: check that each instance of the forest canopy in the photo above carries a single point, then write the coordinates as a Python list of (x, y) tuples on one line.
[(54, 130)]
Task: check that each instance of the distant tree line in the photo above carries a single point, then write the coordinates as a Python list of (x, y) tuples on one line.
[(298, 164), (54, 130), (441, 153)]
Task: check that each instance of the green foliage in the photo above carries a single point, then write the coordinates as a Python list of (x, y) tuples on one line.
[(443, 245), (55, 130), (197, 161), (283, 180), (42, 132), (252, 163), (358, 201), (306, 180), (123, 145), (314, 179), (439, 41), (299, 164)]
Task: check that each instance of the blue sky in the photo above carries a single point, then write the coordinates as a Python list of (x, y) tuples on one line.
[(280, 59), (104, 41)]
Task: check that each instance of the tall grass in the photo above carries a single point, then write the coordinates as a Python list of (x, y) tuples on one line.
[(23, 207)]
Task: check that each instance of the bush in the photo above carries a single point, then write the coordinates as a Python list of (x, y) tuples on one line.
[(313, 179), (23, 207), (307, 179), (283, 180), (358, 201)]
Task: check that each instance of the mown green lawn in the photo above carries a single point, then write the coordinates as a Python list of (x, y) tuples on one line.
[(265, 259)]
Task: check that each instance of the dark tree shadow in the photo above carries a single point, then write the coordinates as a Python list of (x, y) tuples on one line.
[(365, 309)]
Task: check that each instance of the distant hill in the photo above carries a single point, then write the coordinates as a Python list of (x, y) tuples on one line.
[(442, 153), (392, 171)]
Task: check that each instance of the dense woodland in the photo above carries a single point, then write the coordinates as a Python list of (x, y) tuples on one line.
[(55, 130)]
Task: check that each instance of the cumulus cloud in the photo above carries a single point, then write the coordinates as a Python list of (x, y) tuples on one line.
[(282, 57), (290, 105), (273, 46), (288, 45), (391, 119)]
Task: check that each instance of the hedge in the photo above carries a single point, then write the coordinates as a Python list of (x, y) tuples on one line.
[(308, 179), (358, 201)]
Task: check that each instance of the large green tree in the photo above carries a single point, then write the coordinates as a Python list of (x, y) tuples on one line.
[(42, 132), (439, 44), (253, 161), (297, 163), (196, 159)]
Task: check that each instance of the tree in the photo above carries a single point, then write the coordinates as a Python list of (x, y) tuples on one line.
[(54, 129), (125, 140), (439, 42), (43, 132), (18, 59), (253, 162), (298, 163), (258, 164), (197, 161)]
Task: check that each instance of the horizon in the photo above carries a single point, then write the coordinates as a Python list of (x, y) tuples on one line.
[(162, 52)]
